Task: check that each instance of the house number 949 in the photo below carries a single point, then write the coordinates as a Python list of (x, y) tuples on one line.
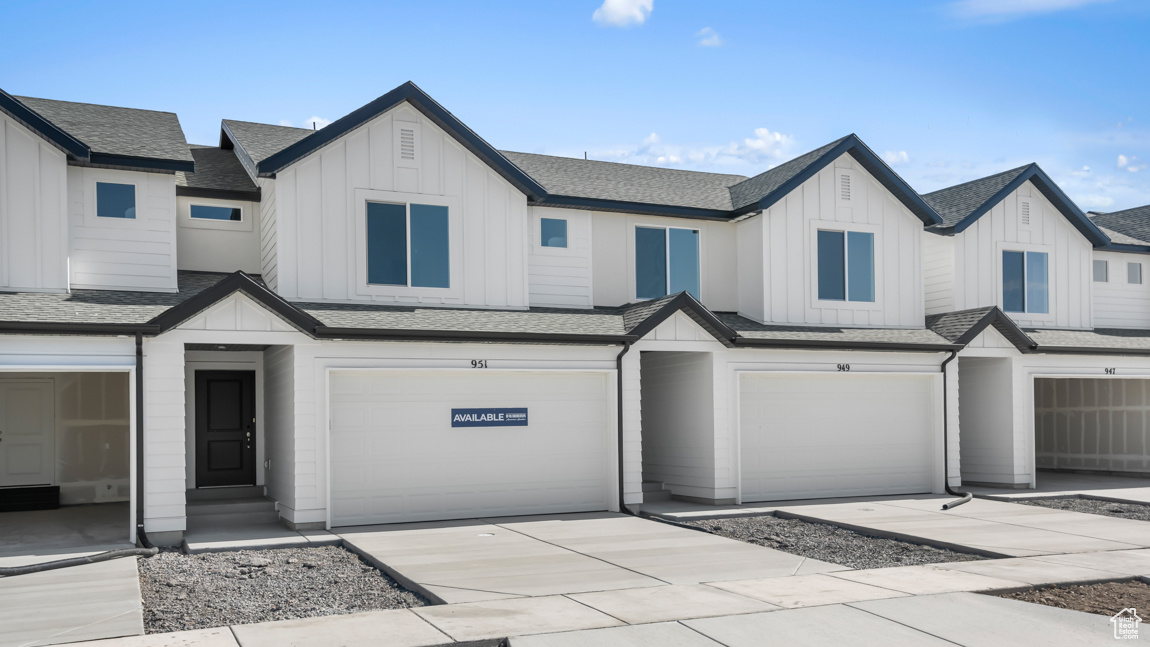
[(478, 363), (844, 367)]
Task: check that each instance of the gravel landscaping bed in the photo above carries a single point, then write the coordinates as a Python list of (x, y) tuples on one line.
[(1104, 599), (829, 543), (1092, 506), (183, 592)]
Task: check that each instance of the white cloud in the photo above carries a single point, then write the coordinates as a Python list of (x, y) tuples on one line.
[(623, 13), (709, 37), (315, 123), (1131, 164), (1085, 169), (1123, 161), (1002, 10), (751, 155), (895, 158)]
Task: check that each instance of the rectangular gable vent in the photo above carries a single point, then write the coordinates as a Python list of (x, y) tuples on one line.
[(844, 187), (407, 144), (1024, 213)]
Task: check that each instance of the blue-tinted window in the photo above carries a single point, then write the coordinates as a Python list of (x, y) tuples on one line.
[(1037, 283), (1013, 292), (201, 212), (684, 265), (386, 243), (553, 232), (860, 266), (115, 200), (832, 265), (430, 261), (650, 263)]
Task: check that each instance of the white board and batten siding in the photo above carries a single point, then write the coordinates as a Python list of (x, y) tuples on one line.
[(782, 247), (1118, 303), (557, 276), (978, 259), (320, 241), (136, 254), (33, 211), (269, 262), (938, 272)]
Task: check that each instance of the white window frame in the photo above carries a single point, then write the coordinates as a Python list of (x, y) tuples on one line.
[(537, 246), (101, 176), (1051, 262), (454, 241), (667, 261), (1094, 272), (813, 263), (1141, 273), (186, 220)]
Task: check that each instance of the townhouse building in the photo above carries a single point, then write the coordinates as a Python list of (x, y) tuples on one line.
[(390, 320)]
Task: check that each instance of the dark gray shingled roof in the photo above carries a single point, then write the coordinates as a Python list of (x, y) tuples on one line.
[(216, 170), (754, 189), (957, 202), (117, 131), (534, 321), (1127, 227), (261, 141), (754, 330), (1100, 338), (101, 306), (601, 180), (962, 326)]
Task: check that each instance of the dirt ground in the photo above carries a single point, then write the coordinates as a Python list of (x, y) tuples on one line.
[(1104, 599)]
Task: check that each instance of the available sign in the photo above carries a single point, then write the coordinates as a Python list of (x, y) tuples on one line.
[(489, 417)]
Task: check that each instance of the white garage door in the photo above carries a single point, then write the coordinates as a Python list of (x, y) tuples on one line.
[(819, 435), (395, 456)]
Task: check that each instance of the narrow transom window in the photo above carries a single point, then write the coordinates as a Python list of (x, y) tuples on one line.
[(553, 232), (408, 245), (666, 261), (1134, 273), (204, 212), (1025, 282), (846, 265), (1101, 271), (115, 200)]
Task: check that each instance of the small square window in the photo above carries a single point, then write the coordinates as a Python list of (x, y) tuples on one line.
[(1134, 273), (203, 212), (115, 200), (553, 232), (1101, 271)]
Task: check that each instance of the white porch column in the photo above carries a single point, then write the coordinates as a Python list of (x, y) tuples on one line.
[(632, 430), (164, 448)]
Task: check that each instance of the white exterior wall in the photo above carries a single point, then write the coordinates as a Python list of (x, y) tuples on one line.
[(218, 246), (560, 277), (320, 239), (269, 235), (938, 272), (122, 254), (679, 421), (613, 275), (164, 451), (790, 263), (987, 413), (1117, 302), (33, 212), (978, 260), (279, 418)]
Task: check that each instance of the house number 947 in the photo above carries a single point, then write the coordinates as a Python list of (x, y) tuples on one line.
[(478, 363), (1110, 371)]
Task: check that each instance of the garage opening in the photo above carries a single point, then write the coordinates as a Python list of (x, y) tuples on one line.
[(65, 469), (424, 445), (818, 435), (1092, 424)]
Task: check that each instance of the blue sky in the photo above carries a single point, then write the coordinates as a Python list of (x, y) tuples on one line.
[(947, 90)]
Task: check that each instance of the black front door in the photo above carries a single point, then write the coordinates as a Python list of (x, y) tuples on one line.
[(225, 428)]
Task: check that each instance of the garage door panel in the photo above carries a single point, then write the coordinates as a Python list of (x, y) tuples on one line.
[(394, 426), (811, 436)]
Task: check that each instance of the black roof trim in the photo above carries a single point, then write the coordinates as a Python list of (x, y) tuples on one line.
[(621, 206), (472, 335), (419, 99), (1004, 325), (36, 123), (844, 345), (235, 282), (61, 328), (218, 194), (228, 141), (869, 161), (693, 309), (1087, 350), (132, 161), (1124, 248)]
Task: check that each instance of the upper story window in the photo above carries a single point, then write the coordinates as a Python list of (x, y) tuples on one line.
[(666, 261), (1025, 282), (552, 232), (206, 212), (115, 200), (846, 265), (408, 245), (1101, 271), (1134, 273)]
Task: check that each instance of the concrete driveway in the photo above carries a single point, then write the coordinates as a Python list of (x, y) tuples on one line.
[(491, 559)]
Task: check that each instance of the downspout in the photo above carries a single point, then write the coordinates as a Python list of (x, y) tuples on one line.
[(966, 496), (141, 537), (619, 412)]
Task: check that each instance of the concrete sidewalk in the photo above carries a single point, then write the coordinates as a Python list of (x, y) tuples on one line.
[(1123, 489)]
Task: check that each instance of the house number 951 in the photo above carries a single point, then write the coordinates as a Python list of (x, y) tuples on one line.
[(478, 363)]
